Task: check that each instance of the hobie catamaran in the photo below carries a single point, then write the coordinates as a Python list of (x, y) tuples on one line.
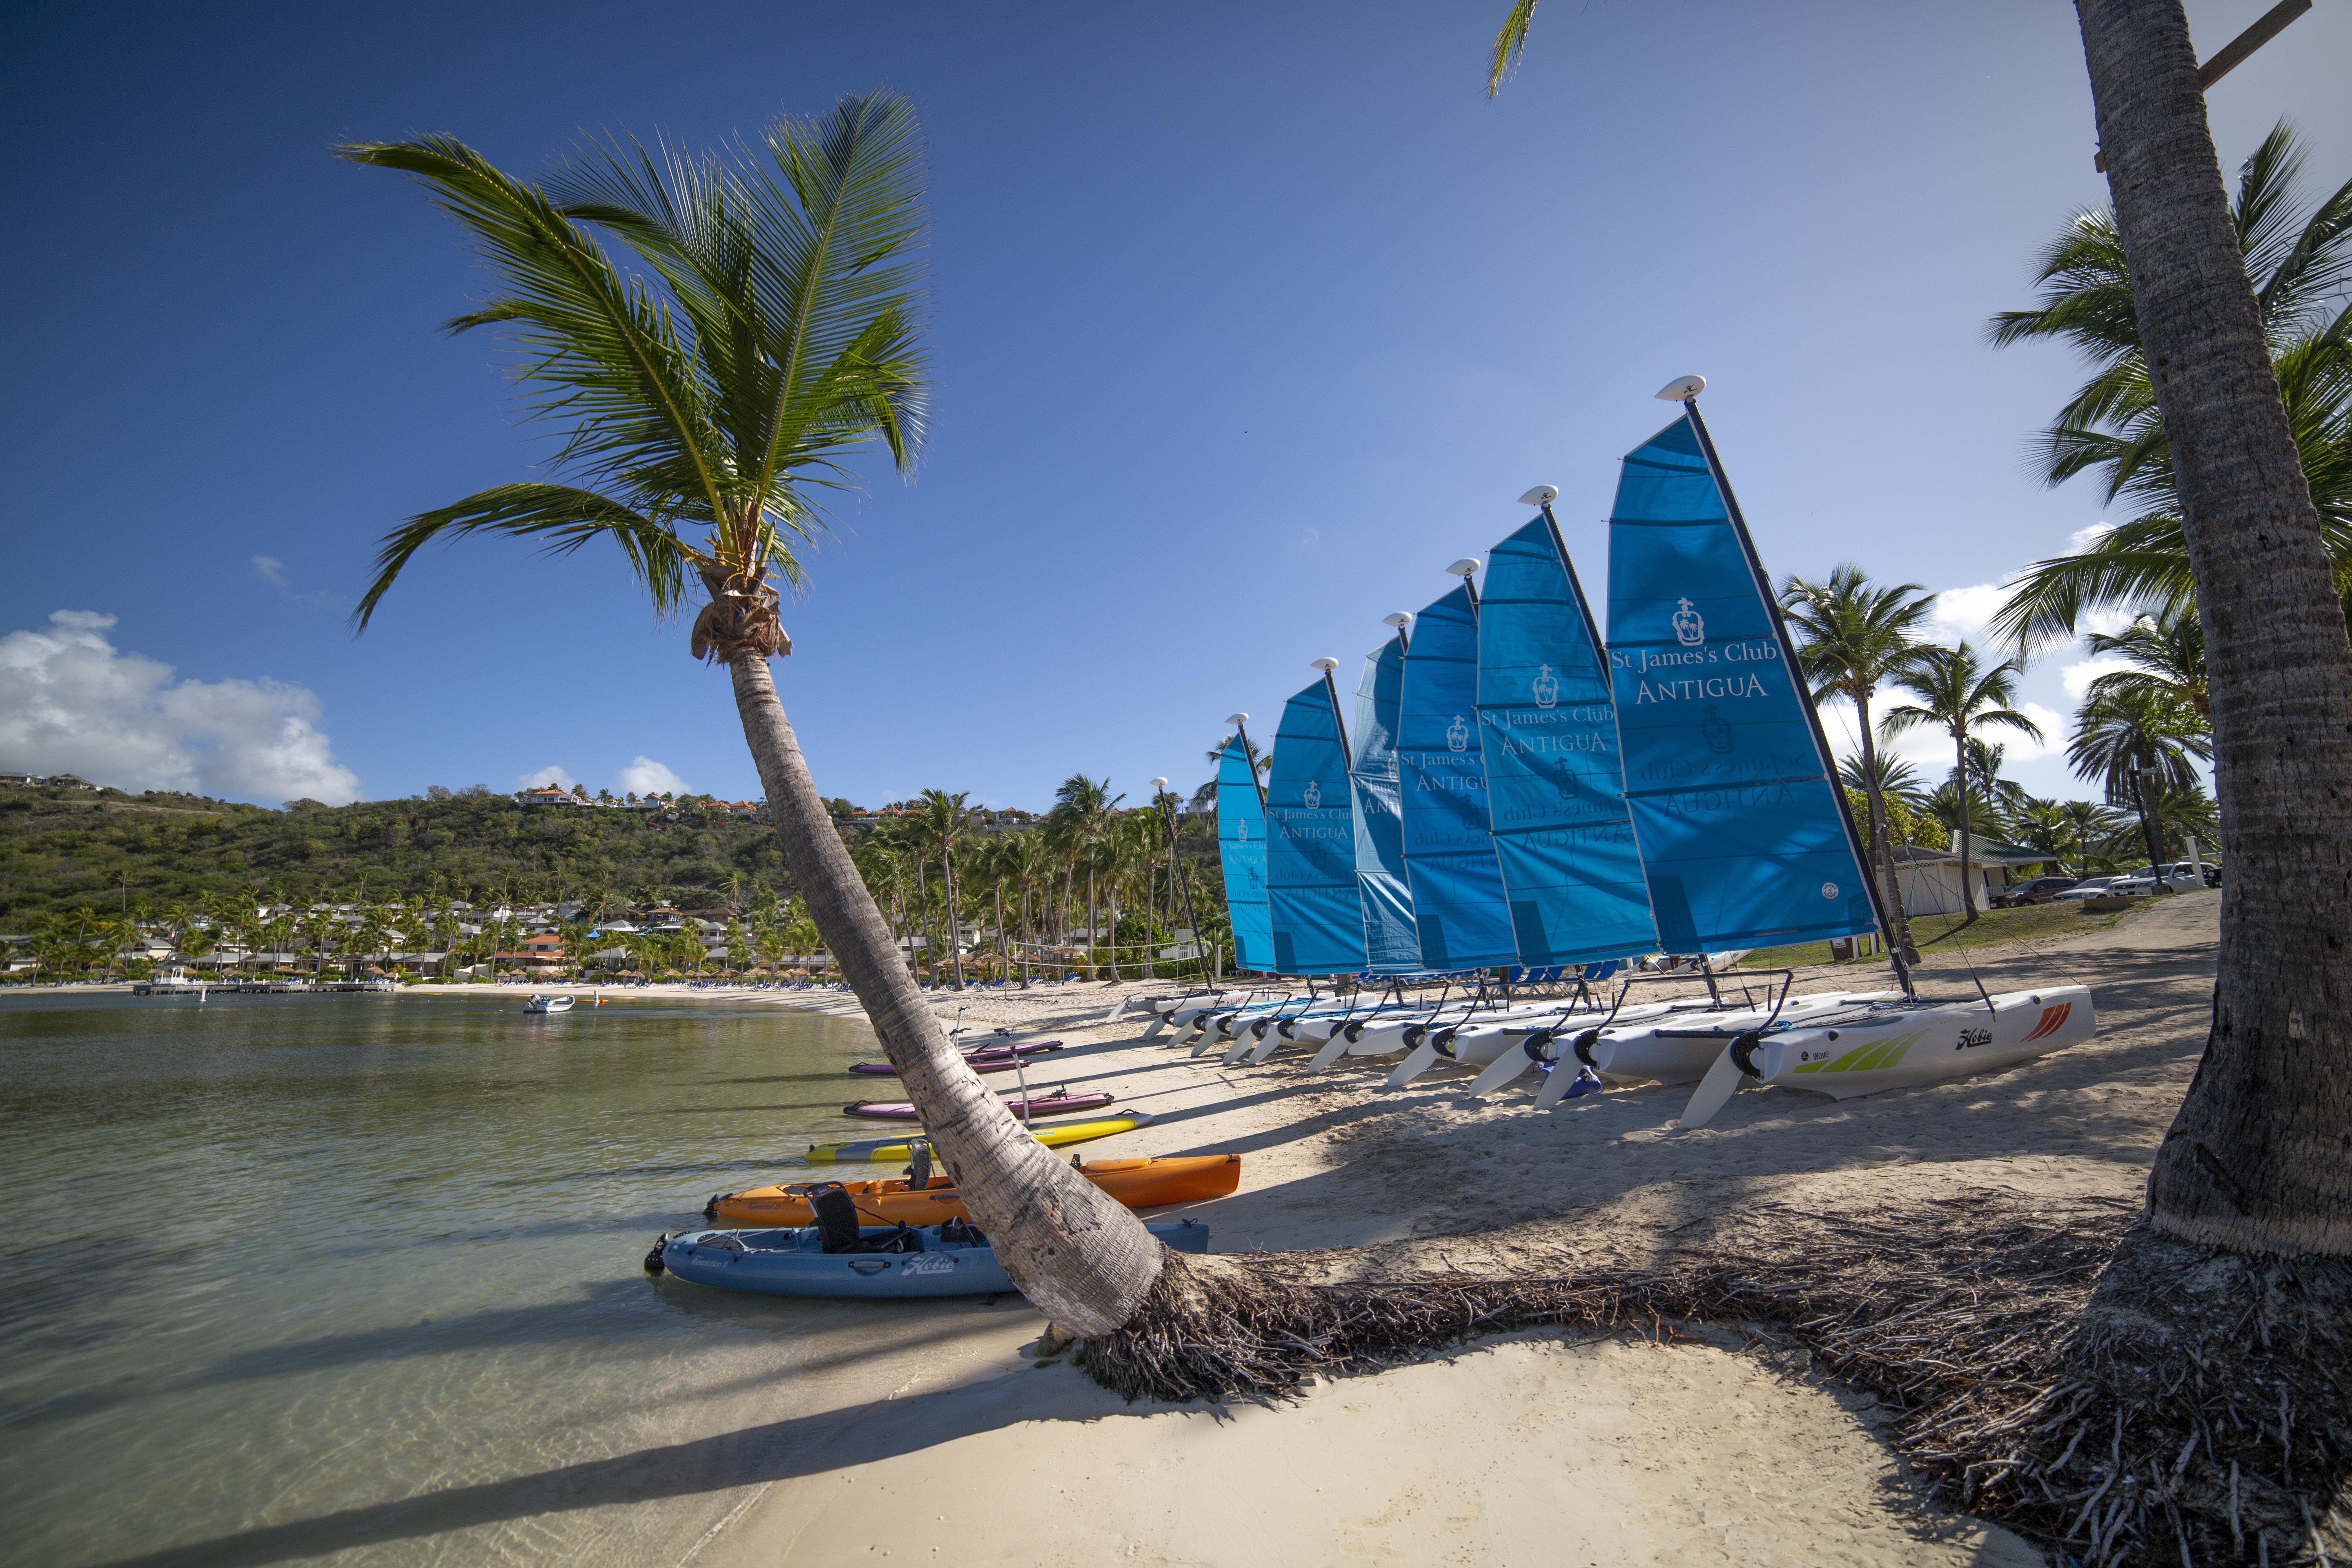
[(1745, 835)]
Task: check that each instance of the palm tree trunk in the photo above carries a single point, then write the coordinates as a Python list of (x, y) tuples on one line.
[(1882, 839), (1079, 1256), (2257, 1160), (955, 925), (1960, 772)]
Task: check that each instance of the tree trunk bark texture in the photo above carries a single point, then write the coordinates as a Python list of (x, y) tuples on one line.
[(1961, 773), (2260, 1158), (1882, 837), (1079, 1256)]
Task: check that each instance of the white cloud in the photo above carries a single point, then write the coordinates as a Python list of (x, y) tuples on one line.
[(546, 776), (2023, 749), (2081, 538), (1964, 612), (646, 776), (72, 702), (2078, 677), (272, 570)]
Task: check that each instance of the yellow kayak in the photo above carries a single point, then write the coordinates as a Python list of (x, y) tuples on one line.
[(880, 1149)]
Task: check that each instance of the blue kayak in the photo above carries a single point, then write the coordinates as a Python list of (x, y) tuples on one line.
[(792, 1262)]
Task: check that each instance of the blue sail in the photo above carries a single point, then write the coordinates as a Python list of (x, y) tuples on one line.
[(1744, 841), (1460, 912), (1241, 848), (1392, 945), (1555, 783), (1310, 848)]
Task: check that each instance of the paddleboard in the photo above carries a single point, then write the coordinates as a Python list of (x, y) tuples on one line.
[(886, 1150)]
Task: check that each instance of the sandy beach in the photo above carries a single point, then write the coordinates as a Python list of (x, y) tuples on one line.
[(1530, 1447)]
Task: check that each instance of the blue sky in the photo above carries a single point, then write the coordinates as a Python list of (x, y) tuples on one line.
[(1247, 321)]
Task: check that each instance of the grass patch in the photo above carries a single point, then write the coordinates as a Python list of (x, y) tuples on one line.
[(1943, 933)]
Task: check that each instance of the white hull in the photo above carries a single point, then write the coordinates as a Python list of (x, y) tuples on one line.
[(1682, 1050), (1902, 1048), (548, 1005)]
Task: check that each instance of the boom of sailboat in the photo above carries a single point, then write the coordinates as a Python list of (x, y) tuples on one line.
[(1518, 797)]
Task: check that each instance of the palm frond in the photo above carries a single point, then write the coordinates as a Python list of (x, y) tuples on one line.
[(601, 349), (1510, 44), (563, 518)]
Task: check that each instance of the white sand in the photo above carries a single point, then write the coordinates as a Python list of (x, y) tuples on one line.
[(1522, 1450)]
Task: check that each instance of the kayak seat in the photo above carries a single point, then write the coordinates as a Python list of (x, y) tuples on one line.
[(838, 1230)]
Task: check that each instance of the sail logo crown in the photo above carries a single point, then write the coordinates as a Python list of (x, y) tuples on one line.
[(1457, 735), (1690, 627), (1313, 796), (1545, 686)]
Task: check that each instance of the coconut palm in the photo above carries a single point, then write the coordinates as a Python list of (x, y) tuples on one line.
[(2257, 1161), (945, 822), (1957, 692), (1082, 808), (2167, 650), (710, 395), (1853, 636), (2139, 745), (1896, 779), (2299, 259)]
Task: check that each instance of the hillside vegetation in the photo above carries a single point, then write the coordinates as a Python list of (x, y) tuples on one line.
[(64, 847)]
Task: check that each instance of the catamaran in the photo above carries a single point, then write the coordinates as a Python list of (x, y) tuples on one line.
[(1744, 834)]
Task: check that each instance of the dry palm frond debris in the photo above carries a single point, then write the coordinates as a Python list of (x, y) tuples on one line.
[(2215, 1427)]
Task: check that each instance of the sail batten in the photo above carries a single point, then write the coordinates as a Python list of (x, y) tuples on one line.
[(1743, 838), (1563, 833), (1241, 852), (1391, 942), (1461, 911), (1314, 911)]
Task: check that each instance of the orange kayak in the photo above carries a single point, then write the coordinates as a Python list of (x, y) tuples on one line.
[(1138, 1184)]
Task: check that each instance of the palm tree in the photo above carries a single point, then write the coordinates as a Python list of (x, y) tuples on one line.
[(1896, 779), (945, 822), (2298, 259), (1081, 808), (2167, 650), (1959, 694), (2256, 1163), (770, 332), (2139, 745), (1853, 635)]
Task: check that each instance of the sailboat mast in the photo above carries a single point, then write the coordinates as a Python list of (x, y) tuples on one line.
[(1249, 759), (1804, 691), (1338, 720)]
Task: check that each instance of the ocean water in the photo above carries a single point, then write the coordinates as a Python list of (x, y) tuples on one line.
[(358, 1278)]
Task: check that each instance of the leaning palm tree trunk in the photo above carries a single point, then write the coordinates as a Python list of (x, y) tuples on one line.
[(1081, 1257)]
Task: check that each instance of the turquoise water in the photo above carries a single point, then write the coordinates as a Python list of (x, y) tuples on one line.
[(359, 1277)]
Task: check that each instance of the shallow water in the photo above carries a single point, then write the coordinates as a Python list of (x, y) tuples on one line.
[(360, 1276)]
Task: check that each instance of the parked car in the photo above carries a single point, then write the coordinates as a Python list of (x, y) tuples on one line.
[(2088, 887), (2039, 890), (2181, 878)]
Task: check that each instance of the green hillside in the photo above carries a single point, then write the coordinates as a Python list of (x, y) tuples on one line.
[(60, 848)]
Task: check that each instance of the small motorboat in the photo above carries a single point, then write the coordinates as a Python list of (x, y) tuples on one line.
[(1054, 1102), (538, 1003), (949, 1259), (983, 1059), (897, 1151), (1138, 1184)]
